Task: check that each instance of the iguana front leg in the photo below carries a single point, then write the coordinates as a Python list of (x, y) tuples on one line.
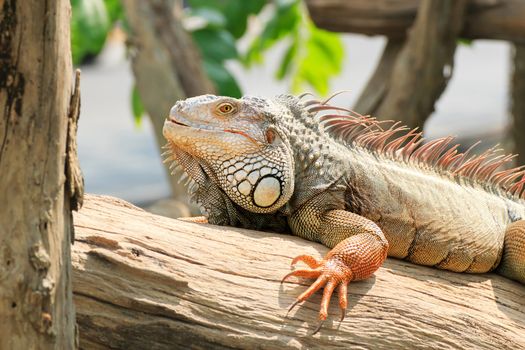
[(359, 249)]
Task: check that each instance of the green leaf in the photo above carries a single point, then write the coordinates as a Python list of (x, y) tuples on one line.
[(287, 60), (224, 81), (235, 12), (285, 21), (464, 42), (254, 6), (90, 25), (136, 106), (219, 5), (329, 46), (238, 12), (213, 17), (312, 57), (216, 45), (115, 10), (323, 59)]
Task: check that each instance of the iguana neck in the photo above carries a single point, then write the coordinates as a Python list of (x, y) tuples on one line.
[(321, 163)]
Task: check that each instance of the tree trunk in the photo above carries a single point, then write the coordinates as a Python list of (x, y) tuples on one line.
[(148, 282), (518, 102), (484, 19), (37, 129), (409, 80), (166, 64)]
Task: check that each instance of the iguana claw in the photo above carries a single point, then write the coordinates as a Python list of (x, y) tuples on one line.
[(318, 328), (330, 273)]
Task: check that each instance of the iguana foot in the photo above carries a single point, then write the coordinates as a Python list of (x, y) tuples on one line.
[(331, 272), (355, 258)]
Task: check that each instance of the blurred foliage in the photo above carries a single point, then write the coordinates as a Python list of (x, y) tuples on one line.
[(91, 23), (464, 42), (312, 56), (136, 106), (225, 21)]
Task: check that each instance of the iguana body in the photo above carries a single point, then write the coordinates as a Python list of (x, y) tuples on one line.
[(349, 182)]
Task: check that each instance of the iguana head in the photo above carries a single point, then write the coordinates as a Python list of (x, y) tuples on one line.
[(240, 144)]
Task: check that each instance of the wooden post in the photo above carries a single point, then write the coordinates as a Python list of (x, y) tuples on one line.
[(518, 102), (37, 142)]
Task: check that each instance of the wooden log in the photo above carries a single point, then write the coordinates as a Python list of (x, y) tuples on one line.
[(485, 19), (148, 282)]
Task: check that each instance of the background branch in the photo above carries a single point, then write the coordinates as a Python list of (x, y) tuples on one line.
[(484, 19)]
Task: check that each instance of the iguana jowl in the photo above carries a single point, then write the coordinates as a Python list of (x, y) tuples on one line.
[(360, 186)]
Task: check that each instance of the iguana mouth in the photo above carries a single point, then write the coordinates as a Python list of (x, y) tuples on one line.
[(172, 119), (175, 121)]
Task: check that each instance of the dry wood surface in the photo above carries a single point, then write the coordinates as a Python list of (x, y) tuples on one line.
[(143, 281)]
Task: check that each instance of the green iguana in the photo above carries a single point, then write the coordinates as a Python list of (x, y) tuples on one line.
[(365, 188)]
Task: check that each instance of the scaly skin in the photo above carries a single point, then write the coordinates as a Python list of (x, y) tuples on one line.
[(283, 164)]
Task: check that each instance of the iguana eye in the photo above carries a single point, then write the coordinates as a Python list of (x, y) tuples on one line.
[(225, 108)]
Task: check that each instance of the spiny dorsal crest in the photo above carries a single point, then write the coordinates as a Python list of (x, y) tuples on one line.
[(401, 143)]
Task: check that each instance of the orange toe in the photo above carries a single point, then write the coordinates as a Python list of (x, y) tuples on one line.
[(354, 258), (303, 273), (308, 260)]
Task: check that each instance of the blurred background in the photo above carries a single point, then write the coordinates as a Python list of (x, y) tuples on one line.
[(434, 66)]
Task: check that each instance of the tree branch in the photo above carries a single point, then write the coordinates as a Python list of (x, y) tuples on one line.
[(484, 19)]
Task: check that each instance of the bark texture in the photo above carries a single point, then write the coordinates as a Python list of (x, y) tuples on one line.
[(37, 146), (518, 102), (485, 19), (147, 282), (166, 63)]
